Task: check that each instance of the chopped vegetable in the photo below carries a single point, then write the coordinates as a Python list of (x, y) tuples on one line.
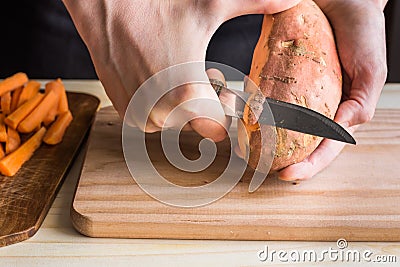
[(37, 116), (5, 103), (13, 82), (3, 132), (56, 132), (29, 91), (23, 111), (13, 140), (15, 98), (10, 164)]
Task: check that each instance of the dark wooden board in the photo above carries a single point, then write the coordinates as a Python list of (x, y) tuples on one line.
[(26, 198)]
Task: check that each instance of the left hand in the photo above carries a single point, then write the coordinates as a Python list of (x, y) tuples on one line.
[(359, 28)]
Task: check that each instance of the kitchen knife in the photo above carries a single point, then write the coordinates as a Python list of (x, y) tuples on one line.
[(285, 115)]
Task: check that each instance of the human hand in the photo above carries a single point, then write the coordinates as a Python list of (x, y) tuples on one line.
[(130, 40), (359, 29)]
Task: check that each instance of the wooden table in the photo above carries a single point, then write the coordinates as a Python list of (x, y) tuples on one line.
[(58, 244)]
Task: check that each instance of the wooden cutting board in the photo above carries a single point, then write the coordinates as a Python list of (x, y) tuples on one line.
[(26, 198), (357, 197)]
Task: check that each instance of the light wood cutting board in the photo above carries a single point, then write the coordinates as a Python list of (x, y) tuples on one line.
[(357, 197)]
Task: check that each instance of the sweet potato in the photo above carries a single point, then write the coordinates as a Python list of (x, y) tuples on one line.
[(12, 162), (55, 133), (295, 61), (3, 130), (23, 110), (5, 103), (13, 82), (37, 116), (13, 140), (29, 91), (15, 98)]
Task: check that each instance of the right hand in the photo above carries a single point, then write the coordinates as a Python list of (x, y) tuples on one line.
[(131, 40), (359, 28)]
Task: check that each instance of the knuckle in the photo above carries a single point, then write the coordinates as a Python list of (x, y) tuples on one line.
[(158, 123), (181, 94), (219, 137)]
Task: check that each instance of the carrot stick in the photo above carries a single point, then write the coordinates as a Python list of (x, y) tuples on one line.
[(12, 162), (51, 116), (36, 117), (2, 153), (13, 82), (13, 140), (23, 111), (3, 133), (56, 87), (56, 131), (15, 98), (5, 103), (29, 91), (59, 88), (37, 128)]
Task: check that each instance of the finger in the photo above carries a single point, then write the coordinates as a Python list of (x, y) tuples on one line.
[(211, 122), (211, 128), (235, 8), (352, 112), (227, 100), (192, 106), (318, 160), (187, 128), (325, 153)]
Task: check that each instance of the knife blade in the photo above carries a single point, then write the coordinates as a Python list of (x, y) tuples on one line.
[(285, 115)]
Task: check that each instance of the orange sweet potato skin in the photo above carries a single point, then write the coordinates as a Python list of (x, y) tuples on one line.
[(295, 61)]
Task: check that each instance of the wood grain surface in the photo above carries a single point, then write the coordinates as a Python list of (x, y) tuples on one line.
[(355, 198), (26, 198)]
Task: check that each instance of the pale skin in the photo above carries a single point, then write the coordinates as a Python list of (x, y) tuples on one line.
[(130, 40)]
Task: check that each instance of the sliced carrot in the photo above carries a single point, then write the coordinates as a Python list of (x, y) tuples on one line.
[(15, 98), (23, 111), (13, 82), (59, 88), (37, 116), (29, 91), (13, 140), (10, 164), (5, 103), (51, 116), (3, 132), (56, 131), (37, 128), (2, 153)]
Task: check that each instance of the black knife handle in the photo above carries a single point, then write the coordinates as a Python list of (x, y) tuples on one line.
[(217, 85)]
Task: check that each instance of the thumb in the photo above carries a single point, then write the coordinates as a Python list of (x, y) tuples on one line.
[(351, 113), (235, 8)]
